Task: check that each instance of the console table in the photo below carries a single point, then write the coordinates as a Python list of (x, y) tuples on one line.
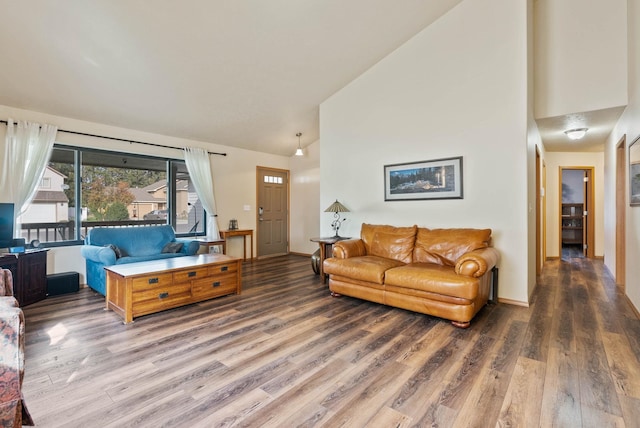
[(29, 270), (226, 234)]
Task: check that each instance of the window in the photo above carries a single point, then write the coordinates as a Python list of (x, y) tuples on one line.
[(272, 179), (114, 190)]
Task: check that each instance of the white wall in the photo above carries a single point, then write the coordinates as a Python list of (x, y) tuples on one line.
[(458, 88), (234, 175), (555, 160), (305, 203), (629, 125), (534, 147), (581, 60)]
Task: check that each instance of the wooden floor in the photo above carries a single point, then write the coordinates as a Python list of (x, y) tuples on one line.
[(285, 354)]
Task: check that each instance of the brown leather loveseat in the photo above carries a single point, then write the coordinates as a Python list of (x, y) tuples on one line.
[(447, 273)]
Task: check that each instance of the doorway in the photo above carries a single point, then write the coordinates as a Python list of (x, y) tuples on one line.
[(273, 211), (576, 212)]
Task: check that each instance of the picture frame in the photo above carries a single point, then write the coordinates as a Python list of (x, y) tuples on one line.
[(429, 179), (634, 173)]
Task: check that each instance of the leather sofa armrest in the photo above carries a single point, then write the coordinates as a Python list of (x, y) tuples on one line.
[(478, 262), (102, 255), (349, 248)]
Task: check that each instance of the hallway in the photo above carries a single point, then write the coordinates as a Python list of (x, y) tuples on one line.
[(587, 334)]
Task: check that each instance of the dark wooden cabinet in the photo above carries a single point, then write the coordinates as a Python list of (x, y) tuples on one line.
[(29, 275), (572, 227)]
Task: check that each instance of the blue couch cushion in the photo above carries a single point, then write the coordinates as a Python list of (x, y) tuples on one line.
[(133, 241)]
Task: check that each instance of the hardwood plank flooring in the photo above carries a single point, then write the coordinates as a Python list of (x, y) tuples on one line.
[(286, 354)]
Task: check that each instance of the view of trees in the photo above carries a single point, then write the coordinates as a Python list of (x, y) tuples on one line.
[(105, 190)]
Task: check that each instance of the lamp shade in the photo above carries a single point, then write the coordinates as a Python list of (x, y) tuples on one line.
[(336, 207)]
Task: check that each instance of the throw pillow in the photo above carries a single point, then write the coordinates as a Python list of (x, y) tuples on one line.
[(172, 247), (118, 251)]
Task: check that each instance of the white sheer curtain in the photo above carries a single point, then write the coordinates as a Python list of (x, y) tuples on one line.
[(197, 161), (27, 151)]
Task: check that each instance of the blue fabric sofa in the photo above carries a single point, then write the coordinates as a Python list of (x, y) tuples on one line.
[(106, 246)]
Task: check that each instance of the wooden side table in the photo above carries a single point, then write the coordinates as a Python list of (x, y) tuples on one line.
[(226, 234), (208, 243), (326, 247)]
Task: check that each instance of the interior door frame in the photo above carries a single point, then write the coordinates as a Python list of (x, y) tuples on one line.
[(288, 184), (539, 214), (589, 207), (621, 207)]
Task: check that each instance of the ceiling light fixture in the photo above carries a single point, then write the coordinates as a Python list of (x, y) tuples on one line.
[(576, 134), (299, 150)]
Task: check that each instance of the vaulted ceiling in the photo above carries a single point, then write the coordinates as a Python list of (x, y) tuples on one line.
[(248, 73)]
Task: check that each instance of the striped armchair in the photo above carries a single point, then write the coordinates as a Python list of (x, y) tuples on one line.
[(13, 412)]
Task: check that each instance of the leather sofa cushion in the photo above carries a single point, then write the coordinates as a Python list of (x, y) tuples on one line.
[(433, 278), (445, 246), (365, 268), (389, 242)]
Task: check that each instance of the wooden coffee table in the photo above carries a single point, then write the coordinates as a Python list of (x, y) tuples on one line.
[(143, 288)]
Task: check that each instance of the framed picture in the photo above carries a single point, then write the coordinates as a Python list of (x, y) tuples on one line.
[(432, 179), (634, 173)]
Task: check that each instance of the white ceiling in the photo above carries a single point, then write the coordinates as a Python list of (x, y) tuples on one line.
[(599, 123), (248, 73)]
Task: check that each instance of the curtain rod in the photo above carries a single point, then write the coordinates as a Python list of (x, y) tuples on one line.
[(126, 141)]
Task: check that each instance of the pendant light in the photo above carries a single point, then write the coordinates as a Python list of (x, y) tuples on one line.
[(299, 150)]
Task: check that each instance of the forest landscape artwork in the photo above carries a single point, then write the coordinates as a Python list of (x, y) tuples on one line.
[(434, 179)]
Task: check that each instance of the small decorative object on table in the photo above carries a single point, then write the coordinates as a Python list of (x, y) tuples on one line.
[(233, 224)]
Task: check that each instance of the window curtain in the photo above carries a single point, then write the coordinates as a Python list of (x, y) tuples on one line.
[(197, 161), (27, 151)]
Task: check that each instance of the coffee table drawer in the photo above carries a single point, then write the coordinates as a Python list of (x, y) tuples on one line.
[(159, 294), (223, 268), (190, 274), (152, 281), (219, 285)]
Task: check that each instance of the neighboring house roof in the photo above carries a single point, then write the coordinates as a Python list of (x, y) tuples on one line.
[(154, 187), (142, 195), (45, 196), (57, 172), (181, 185)]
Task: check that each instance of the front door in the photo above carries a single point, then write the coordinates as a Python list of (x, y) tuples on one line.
[(273, 211)]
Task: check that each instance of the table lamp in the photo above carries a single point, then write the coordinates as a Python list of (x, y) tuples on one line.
[(336, 208)]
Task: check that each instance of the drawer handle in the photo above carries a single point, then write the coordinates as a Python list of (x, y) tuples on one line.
[(163, 295), (224, 268), (153, 280), (216, 284), (190, 274)]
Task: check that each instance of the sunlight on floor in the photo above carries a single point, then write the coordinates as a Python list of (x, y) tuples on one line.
[(57, 333)]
